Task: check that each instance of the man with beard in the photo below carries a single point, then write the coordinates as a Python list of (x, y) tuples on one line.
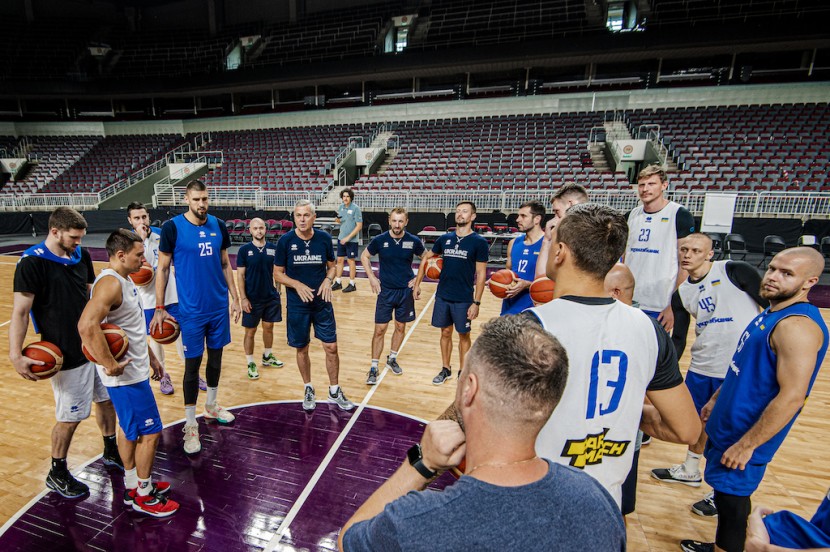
[(395, 250), (51, 282), (522, 254), (465, 255), (564, 198), (197, 243), (770, 376)]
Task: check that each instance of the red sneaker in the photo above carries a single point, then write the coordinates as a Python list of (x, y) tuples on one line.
[(156, 506), (161, 488)]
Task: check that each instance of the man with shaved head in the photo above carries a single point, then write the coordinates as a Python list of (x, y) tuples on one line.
[(769, 378), (259, 297), (619, 284)]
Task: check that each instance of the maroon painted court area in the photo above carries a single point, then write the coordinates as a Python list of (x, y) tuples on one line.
[(235, 493)]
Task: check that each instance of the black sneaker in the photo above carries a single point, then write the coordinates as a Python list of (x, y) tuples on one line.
[(66, 485), (696, 546), (113, 460), (335, 286), (706, 507), (350, 288), (393, 365), (372, 378), (442, 376), (646, 440)]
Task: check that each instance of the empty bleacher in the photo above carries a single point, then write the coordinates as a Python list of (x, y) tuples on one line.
[(51, 156)]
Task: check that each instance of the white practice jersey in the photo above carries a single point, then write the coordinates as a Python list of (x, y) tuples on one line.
[(722, 311), (612, 357), (147, 293), (129, 316), (651, 254)]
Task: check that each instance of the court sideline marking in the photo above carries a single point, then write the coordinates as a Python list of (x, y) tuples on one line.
[(312, 483)]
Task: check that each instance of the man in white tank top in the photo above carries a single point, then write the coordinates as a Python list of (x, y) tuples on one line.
[(723, 297), (115, 301), (617, 354), (651, 253)]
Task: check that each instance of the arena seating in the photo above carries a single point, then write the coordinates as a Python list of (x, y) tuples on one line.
[(54, 155)]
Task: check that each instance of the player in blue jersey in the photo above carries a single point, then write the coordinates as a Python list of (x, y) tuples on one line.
[(769, 378), (51, 284), (460, 286), (783, 531), (350, 219), (395, 250), (197, 243), (260, 298), (305, 266), (522, 254)]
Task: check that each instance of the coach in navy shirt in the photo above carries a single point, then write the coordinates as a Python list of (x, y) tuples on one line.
[(465, 255), (304, 264), (395, 249)]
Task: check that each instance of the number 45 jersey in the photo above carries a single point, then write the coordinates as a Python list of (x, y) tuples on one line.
[(615, 353)]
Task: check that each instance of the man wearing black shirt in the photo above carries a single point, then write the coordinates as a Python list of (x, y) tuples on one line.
[(52, 282)]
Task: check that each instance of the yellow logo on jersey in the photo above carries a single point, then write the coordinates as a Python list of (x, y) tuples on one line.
[(592, 449)]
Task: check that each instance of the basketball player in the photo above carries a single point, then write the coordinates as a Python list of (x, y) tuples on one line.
[(770, 376), (509, 499), (626, 356), (51, 282), (522, 254), (139, 219), (305, 266), (197, 243), (115, 300), (782, 531), (260, 298), (395, 249), (653, 230), (465, 256), (566, 196), (350, 219), (723, 297)]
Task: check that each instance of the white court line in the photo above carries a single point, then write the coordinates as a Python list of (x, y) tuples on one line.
[(292, 513), (4, 323)]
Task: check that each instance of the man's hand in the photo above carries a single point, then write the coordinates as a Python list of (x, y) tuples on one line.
[(443, 445), (236, 311), (757, 536), (666, 318), (158, 317), (374, 283), (517, 287), (416, 292), (737, 456), (472, 312), (306, 293), (343, 241), (157, 368), (706, 411), (143, 231), (246, 305), (119, 368), (23, 364), (324, 290), (549, 228)]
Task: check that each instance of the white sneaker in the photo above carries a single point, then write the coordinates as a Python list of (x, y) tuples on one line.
[(191, 439), (218, 413), (677, 474)]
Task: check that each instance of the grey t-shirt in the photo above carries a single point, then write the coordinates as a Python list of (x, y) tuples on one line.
[(564, 511), (349, 217)]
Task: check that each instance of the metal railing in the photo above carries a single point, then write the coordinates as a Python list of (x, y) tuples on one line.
[(218, 197), (48, 202), (284, 201)]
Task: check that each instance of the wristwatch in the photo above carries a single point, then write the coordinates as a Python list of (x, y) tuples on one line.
[(477, 303), (416, 460)]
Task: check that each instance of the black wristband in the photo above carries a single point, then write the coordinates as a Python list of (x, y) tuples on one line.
[(477, 303), (416, 461)]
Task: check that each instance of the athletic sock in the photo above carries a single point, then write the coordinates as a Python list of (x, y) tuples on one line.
[(266, 352), (131, 478), (110, 445), (393, 355), (211, 395), (309, 386), (59, 465), (333, 389), (145, 486), (692, 463), (375, 363), (337, 280), (190, 414), (351, 282), (249, 358)]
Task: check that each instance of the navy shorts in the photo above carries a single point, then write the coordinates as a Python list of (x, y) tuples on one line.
[(731, 481), (197, 329), (400, 301), (449, 313), (267, 311), (300, 319), (349, 250), (702, 388), (173, 310), (136, 408)]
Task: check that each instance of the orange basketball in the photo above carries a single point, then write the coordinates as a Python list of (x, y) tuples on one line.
[(144, 275), (167, 333), (49, 354), (116, 339), (434, 266), (500, 281), (541, 290)]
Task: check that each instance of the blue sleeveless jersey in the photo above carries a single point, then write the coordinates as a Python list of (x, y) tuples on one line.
[(791, 531), (197, 256), (523, 259), (751, 382)]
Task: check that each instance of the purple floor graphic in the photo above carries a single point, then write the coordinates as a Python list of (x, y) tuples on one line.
[(236, 492)]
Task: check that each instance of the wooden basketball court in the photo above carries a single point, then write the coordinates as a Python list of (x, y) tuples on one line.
[(796, 480)]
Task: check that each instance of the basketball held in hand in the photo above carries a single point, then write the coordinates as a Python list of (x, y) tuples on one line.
[(541, 290), (167, 332), (144, 275), (47, 353), (116, 339), (434, 266), (501, 281)]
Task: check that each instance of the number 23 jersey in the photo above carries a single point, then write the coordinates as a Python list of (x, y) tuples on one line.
[(615, 353)]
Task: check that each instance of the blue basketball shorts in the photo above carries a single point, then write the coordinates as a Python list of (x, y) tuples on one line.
[(399, 301), (349, 250), (172, 309), (702, 388), (731, 481), (267, 311), (213, 329), (451, 313), (136, 408), (301, 317)]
